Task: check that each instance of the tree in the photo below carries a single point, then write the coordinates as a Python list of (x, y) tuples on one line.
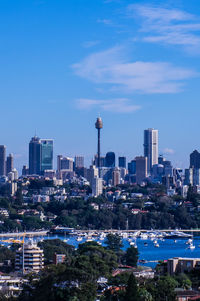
[(53, 246), (114, 242), (131, 256), (132, 289)]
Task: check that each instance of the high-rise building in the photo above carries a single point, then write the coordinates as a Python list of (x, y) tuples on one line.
[(40, 155), (2, 160), (141, 169), (110, 159), (122, 162), (79, 161), (46, 156), (151, 148), (34, 156), (116, 175), (97, 186), (9, 163), (132, 167), (64, 163), (195, 159), (25, 170)]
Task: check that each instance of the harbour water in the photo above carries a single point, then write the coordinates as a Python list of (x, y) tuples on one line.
[(151, 249), (168, 248)]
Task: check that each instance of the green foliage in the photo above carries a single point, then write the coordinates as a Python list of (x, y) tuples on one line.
[(131, 256), (52, 246), (113, 242), (132, 289)]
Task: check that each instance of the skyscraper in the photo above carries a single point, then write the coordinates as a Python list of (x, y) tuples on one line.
[(2, 160), (122, 162), (151, 148), (110, 159), (64, 163), (195, 159), (79, 161), (141, 169), (46, 157), (40, 155), (34, 156), (9, 163), (99, 126)]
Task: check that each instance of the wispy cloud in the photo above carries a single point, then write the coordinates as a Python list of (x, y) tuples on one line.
[(112, 67), (169, 151), (169, 26), (89, 44), (118, 105), (105, 21)]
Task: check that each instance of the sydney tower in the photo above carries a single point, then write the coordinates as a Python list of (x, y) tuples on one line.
[(98, 125)]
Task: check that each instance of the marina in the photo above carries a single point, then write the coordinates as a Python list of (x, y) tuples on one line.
[(153, 246)]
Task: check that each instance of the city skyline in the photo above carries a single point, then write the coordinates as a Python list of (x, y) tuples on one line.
[(134, 62)]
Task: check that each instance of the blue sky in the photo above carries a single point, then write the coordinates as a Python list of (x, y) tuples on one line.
[(136, 63)]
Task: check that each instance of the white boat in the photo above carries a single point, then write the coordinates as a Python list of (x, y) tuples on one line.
[(79, 238), (143, 236), (156, 245), (191, 246), (189, 241)]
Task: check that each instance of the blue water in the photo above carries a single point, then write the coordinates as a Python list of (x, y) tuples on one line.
[(168, 248)]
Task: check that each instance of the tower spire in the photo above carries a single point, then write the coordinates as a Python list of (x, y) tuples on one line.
[(99, 126)]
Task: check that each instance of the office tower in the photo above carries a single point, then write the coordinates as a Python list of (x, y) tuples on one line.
[(151, 148), (34, 156), (92, 172), (99, 126), (79, 161), (116, 177), (195, 159), (9, 163), (46, 155), (97, 186), (25, 170), (132, 167), (122, 162), (141, 169), (64, 163), (110, 159), (196, 176), (2, 160), (102, 161), (188, 176)]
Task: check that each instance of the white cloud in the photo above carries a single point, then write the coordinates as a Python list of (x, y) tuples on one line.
[(113, 68), (89, 44), (118, 105), (169, 26), (105, 21), (168, 151)]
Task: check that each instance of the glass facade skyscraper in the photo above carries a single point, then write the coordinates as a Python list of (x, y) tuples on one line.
[(34, 156), (40, 155), (46, 157)]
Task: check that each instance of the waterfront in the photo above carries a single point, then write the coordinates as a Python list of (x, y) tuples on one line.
[(151, 250), (147, 250)]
